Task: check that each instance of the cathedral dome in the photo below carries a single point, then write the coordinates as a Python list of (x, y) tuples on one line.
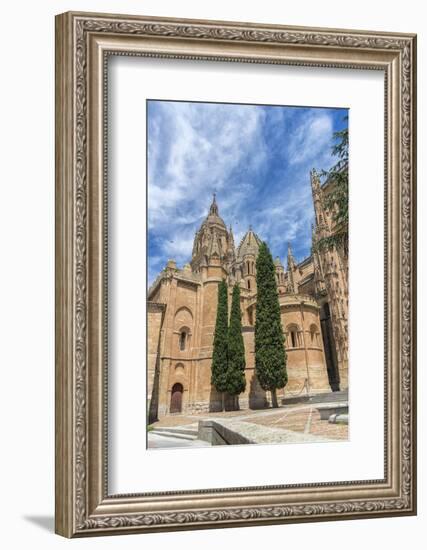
[(213, 217), (212, 240)]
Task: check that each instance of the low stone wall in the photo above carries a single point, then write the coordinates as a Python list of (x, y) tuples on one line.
[(199, 408), (338, 419), (327, 410), (216, 433), (215, 406), (220, 431)]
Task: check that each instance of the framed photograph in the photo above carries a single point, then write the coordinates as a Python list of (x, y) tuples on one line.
[(235, 274)]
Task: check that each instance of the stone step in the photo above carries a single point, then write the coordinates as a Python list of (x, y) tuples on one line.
[(175, 435)]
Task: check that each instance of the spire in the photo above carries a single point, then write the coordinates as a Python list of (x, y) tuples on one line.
[(291, 259), (214, 248), (291, 268), (213, 210), (211, 239), (317, 197), (230, 239), (230, 231), (213, 217), (196, 243), (315, 181)]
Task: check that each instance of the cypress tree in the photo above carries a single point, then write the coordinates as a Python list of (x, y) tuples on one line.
[(236, 381), (219, 355), (270, 355)]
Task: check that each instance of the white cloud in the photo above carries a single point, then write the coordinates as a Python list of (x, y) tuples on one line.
[(205, 144), (311, 138), (194, 149), (288, 218), (179, 248)]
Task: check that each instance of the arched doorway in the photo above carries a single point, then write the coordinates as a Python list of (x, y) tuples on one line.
[(176, 398)]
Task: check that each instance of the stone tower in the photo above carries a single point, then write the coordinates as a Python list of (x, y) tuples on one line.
[(331, 279), (245, 265), (280, 275), (213, 244)]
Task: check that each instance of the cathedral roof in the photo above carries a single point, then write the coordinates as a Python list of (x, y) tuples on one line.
[(249, 245), (213, 216), (277, 262), (214, 249)]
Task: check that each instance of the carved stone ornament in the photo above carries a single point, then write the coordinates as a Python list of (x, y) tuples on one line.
[(83, 43)]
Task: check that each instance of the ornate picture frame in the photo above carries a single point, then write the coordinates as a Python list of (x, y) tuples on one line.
[(84, 42)]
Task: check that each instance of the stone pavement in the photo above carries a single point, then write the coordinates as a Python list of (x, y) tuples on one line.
[(304, 420), (288, 423)]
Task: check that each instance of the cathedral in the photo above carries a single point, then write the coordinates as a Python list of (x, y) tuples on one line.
[(181, 315)]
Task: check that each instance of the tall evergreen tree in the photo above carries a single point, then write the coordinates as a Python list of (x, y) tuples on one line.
[(236, 381), (220, 344), (270, 355)]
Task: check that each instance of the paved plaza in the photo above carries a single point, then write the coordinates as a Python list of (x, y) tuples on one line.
[(296, 423)]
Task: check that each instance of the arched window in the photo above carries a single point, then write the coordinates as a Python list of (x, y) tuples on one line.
[(293, 336), (251, 316), (182, 340), (249, 284), (182, 328), (314, 335)]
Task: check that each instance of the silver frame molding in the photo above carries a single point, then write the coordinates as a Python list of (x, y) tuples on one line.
[(83, 43)]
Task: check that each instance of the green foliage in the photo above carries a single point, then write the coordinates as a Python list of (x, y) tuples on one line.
[(236, 381), (337, 199), (338, 239), (270, 355), (338, 178), (220, 344)]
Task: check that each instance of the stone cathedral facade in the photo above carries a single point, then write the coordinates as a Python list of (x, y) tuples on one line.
[(181, 314)]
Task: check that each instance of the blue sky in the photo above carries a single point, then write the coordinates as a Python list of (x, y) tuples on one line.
[(256, 158)]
